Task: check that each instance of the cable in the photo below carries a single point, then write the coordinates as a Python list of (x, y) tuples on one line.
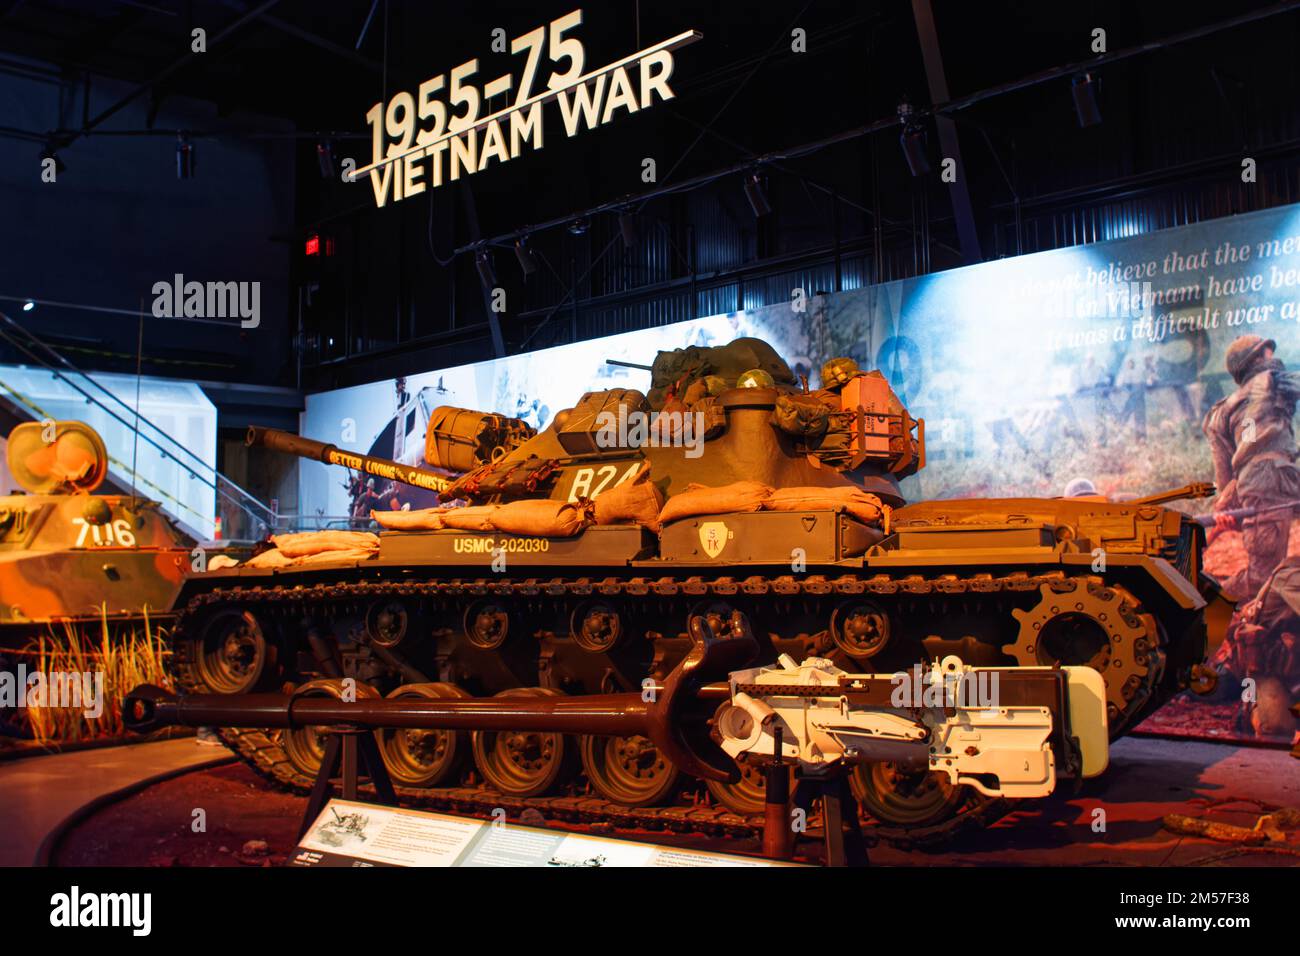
[(429, 236)]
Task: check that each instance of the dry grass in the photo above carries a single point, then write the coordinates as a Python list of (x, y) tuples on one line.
[(128, 654)]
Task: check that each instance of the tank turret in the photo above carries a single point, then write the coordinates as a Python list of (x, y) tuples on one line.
[(68, 554)]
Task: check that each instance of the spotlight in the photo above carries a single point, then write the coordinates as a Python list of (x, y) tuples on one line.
[(912, 140), (578, 227), (325, 157), (29, 305), (630, 228), (49, 153), (184, 157), (756, 196), (487, 275), (527, 261), (1084, 90)]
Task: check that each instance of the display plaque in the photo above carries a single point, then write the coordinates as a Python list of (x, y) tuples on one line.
[(363, 834)]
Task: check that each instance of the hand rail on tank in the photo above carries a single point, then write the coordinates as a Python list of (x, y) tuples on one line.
[(244, 500), (286, 521)]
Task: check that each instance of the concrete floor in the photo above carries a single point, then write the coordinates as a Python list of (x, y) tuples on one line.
[(1147, 778), (36, 793)]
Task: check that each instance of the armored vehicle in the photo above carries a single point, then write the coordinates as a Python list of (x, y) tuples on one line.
[(777, 501), (68, 554)]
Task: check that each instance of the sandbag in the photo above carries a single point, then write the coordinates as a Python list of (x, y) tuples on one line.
[(637, 501), (314, 542), (863, 505), (474, 518), (273, 558), (342, 554), (541, 517), (424, 519), (219, 561), (739, 496)]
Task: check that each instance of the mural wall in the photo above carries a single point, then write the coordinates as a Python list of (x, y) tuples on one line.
[(1096, 361)]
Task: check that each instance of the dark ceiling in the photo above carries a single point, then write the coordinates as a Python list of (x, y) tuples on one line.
[(1172, 111)]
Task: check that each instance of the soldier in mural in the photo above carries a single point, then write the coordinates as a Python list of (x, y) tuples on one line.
[(1263, 647), (1252, 443)]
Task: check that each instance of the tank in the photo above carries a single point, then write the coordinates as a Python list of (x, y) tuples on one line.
[(834, 564), (70, 555)]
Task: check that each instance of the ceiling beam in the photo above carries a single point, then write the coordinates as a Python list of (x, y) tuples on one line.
[(963, 210), (314, 39), (173, 67)]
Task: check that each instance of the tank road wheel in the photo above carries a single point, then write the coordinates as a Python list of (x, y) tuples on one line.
[(524, 763), (745, 796), (232, 653), (387, 623), (860, 629), (897, 795), (628, 770), (595, 626), (305, 746), (424, 758), (487, 625), (1099, 626)]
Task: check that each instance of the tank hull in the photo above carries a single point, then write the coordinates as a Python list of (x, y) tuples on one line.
[(962, 577)]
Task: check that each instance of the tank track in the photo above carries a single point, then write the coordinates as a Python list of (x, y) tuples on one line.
[(263, 754)]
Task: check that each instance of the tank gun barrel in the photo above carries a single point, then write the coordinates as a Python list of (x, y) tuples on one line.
[(615, 714), (1197, 489), (289, 444)]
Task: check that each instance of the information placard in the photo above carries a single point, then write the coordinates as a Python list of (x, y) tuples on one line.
[(362, 834)]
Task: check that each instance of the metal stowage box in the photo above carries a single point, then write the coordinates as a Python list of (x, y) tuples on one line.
[(766, 537)]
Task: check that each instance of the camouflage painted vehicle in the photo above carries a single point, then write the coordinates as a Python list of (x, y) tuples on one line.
[(69, 555), (456, 613)]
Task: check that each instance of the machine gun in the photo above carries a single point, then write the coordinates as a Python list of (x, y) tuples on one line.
[(1208, 520), (1197, 489)]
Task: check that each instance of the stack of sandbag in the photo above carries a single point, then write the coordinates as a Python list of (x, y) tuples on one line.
[(305, 544), (539, 517), (316, 547), (749, 496), (697, 499), (636, 501), (863, 505)]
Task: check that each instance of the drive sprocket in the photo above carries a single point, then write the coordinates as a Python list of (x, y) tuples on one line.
[(1084, 621)]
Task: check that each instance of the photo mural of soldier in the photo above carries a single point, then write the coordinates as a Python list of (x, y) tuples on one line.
[(1252, 443), (1262, 655)]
